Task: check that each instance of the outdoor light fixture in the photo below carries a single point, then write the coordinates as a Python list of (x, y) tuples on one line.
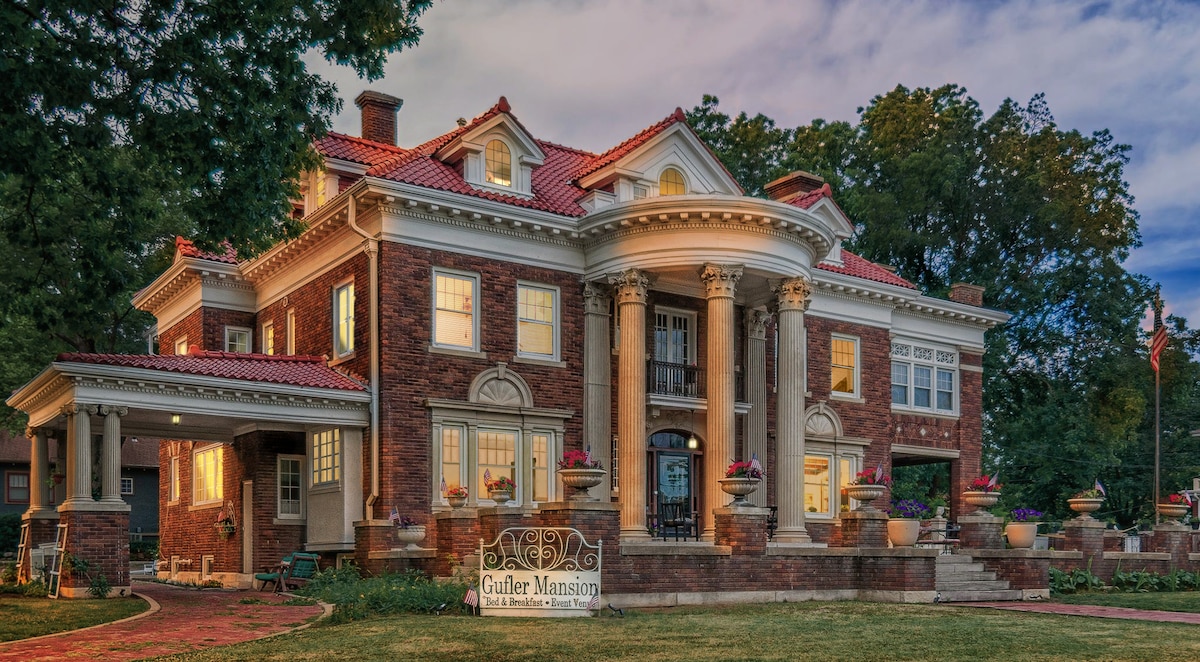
[(692, 442), (175, 419)]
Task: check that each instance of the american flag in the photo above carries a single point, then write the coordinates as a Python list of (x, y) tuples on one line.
[(443, 484), (1157, 345), (1100, 488), (587, 457), (394, 518), (878, 472), (992, 482), (1187, 496), (487, 476), (594, 603), (754, 463), (471, 598)]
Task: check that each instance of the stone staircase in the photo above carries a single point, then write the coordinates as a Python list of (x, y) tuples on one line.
[(958, 578)]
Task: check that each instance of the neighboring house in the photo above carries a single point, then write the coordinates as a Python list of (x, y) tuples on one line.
[(484, 301), (139, 479)]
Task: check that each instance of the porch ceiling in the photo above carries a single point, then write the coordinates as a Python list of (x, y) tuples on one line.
[(210, 408)]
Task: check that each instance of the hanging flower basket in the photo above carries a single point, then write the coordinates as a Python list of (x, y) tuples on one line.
[(225, 529)]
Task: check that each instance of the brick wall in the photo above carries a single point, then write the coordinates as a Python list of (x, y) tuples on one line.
[(101, 539), (205, 328)]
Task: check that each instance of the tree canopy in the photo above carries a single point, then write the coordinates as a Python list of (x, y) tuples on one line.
[(129, 122), (1043, 219)]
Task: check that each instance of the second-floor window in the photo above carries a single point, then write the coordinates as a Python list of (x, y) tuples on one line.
[(455, 323), (673, 339), (237, 339), (844, 366), (924, 378), (343, 320), (537, 322), (268, 338)]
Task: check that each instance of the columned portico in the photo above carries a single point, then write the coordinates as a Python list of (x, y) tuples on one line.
[(39, 471), (79, 454), (754, 424), (792, 297), (110, 485), (720, 283), (629, 290)]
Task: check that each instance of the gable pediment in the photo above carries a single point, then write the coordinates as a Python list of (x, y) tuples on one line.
[(675, 147)]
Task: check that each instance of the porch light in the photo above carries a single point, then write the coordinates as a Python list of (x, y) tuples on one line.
[(693, 443), (175, 419)]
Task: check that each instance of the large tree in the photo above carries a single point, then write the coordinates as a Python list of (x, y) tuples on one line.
[(127, 122), (1042, 218)]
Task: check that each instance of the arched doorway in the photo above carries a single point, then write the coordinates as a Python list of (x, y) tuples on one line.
[(674, 470)]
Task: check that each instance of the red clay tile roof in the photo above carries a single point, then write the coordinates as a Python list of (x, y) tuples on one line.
[(853, 265), (356, 150), (187, 249), (631, 144), (308, 371), (806, 200)]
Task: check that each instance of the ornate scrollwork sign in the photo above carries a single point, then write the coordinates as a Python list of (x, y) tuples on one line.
[(539, 571)]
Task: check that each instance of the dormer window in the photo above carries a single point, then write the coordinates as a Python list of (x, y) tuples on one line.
[(670, 182), (499, 163)]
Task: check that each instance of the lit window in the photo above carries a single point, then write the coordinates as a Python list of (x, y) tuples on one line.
[(820, 474), (497, 457), (268, 338), (525, 455), (670, 182), (343, 320), (291, 331), (181, 346), (499, 164), (541, 466), (126, 486), (327, 457), (319, 186), (173, 481), (208, 470), (452, 439), (289, 477), (18, 488), (237, 339), (844, 365), (924, 378), (537, 321), (454, 320)]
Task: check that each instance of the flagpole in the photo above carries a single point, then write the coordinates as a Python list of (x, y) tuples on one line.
[(1157, 443)]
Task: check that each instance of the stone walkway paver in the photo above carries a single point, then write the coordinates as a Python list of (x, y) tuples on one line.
[(186, 619), (1090, 610)]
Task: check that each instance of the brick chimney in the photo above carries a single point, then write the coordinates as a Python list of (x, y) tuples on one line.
[(379, 116), (793, 184), (971, 295)]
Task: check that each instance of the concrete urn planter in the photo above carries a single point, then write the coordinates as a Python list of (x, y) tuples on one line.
[(1021, 535), (501, 497), (739, 488), (980, 499), (581, 480), (1172, 510), (1085, 506), (865, 494), (456, 501), (903, 532), (411, 535)]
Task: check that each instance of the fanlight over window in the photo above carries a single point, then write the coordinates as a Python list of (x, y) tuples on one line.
[(499, 164)]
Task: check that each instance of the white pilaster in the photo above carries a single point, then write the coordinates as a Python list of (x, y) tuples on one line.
[(793, 298), (597, 381), (754, 423), (629, 289)]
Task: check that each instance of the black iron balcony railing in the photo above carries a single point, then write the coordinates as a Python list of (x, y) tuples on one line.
[(684, 381)]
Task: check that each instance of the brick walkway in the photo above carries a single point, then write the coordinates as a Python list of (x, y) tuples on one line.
[(180, 620), (1090, 610)]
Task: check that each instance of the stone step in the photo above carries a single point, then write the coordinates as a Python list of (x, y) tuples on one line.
[(952, 559), (972, 585), (966, 577), (958, 569), (1011, 595)]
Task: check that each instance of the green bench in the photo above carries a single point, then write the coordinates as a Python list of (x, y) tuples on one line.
[(294, 570)]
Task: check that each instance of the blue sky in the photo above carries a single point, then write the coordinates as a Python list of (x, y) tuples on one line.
[(589, 74)]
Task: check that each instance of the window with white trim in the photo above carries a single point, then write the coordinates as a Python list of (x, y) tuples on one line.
[(291, 331), (173, 480), (843, 366), (821, 474), (498, 161), (670, 182), (16, 487), (467, 454), (237, 339), (924, 378), (181, 346), (343, 320), (289, 478), (208, 473), (327, 457), (455, 324), (537, 322), (126, 486), (268, 338)]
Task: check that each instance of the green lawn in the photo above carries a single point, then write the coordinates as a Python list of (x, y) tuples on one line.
[(22, 617), (1188, 601), (811, 630)]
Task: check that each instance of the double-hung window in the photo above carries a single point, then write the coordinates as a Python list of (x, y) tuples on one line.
[(843, 366), (290, 478), (237, 339), (17, 488), (173, 480), (126, 486), (208, 469), (924, 378), (343, 320), (537, 322), (470, 455), (455, 302), (327, 457), (268, 338), (181, 346), (825, 479)]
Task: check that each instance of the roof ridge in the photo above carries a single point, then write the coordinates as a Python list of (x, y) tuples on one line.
[(365, 141), (613, 153), (567, 148), (198, 354)]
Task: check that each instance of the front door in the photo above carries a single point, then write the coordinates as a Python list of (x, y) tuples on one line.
[(675, 478)]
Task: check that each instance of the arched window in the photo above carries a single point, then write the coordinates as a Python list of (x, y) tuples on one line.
[(670, 182), (499, 164)]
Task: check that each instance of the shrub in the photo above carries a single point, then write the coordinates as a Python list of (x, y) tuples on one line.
[(1074, 581), (354, 598), (10, 532)]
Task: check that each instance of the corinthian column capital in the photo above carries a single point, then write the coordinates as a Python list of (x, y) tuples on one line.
[(793, 293), (756, 323), (720, 280), (595, 298), (630, 286), (31, 432)]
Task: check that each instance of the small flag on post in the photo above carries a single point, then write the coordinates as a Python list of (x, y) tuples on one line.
[(878, 472), (487, 475), (992, 482), (755, 465), (471, 598), (443, 484), (1187, 496), (394, 518), (594, 603), (1100, 488), (587, 456)]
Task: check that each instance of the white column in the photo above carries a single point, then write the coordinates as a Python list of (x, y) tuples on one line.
[(754, 423), (597, 381), (629, 288), (39, 469), (110, 459), (793, 297), (79, 454), (720, 282)]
